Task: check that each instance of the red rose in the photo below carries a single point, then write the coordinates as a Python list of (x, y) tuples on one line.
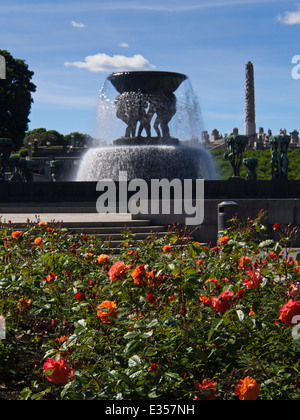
[(183, 310), (276, 226), (153, 367), (79, 296), (208, 387), (57, 371), (240, 294), (288, 311), (151, 298), (222, 303)]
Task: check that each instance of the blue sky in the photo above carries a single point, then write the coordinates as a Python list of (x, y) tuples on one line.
[(72, 46)]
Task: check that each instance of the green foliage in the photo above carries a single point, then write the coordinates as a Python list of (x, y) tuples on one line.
[(43, 137), (15, 99), (164, 339), (224, 169)]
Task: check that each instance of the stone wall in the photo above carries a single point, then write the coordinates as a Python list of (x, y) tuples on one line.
[(280, 198)]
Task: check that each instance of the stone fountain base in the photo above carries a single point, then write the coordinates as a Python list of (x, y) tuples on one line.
[(146, 161), (146, 141)]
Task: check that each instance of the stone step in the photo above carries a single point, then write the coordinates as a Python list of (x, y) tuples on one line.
[(115, 246), (119, 237), (75, 220), (47, 208), (108, 228), (114, 230)]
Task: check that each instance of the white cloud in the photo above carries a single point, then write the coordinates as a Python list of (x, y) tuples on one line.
[(77, 25), (123, 45), (290, 18), (104, 63)]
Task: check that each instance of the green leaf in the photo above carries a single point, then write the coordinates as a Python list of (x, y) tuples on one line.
[(172, 375), (147, 334), (132, 346), (125, 379), (136, 374), (240, 314), (134, 361), (214, 328), (153, 323), (131, 334), (266, 243), (25, 393)]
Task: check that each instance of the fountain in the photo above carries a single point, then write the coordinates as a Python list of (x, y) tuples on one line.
[(146, 102)]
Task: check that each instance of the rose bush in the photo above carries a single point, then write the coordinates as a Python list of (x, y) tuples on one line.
[(165, 318)]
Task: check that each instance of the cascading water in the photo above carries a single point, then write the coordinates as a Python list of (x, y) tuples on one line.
[(147, 105), (145, 162)]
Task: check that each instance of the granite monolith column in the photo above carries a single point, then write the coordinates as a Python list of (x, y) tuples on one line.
[(250, 126)]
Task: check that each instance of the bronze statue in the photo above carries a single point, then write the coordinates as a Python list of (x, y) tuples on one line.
[(236, 145), (280, 162), (251, 164), (144, 96)]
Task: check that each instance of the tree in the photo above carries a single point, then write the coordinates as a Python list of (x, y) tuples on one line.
[(15, 99), (43, 137)]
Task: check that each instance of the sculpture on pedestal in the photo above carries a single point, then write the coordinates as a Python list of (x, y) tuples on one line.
[(251, 164), (21, 169), (280, 162), (56, 167), (236, 145), (143, 95)]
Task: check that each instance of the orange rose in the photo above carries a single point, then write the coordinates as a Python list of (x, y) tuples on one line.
[(273, 256), (167, 248), (103, 259), (24, 304), (251, 311), (50, 277), (200, 262), (224, 240), (205, 300), (139, 274), (17, 234), (38, 241), (208, 387), (118, 271), (244, 262), (254, 279), (111, 311), (294, 289), (215, 281), (247, 389), (288, 311), (152, 279)]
